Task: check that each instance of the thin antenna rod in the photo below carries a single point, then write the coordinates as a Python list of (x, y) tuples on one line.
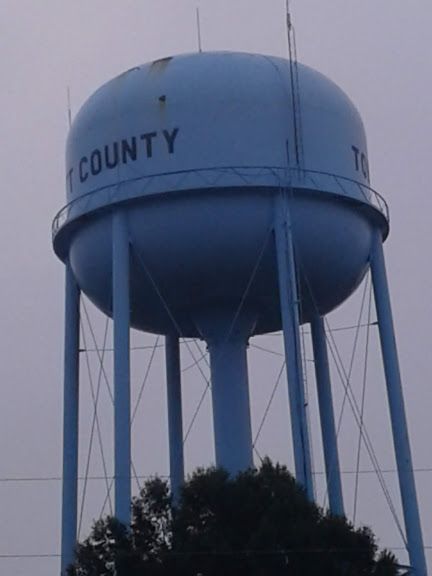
[(69, 106), (295, 97), (198, 22), (288, 15)]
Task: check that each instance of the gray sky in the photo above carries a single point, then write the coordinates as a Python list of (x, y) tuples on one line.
[(378, 52)]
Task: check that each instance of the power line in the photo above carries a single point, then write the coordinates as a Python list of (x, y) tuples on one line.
[(29, 556), (41, 479), (215, 553)]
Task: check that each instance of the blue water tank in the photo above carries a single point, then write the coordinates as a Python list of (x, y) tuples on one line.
[(194, 149)]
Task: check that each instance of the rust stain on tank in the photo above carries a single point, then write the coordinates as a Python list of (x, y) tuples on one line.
[(158, 66), (162, 103)]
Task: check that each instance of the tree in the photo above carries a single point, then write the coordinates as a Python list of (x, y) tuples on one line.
[(255, 524)]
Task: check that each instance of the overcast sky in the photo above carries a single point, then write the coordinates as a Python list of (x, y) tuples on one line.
[(378, 52)]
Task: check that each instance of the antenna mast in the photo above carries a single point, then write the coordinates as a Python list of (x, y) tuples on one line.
[(295, 90), (198, 23)]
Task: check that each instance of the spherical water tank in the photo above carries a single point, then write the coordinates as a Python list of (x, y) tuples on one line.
[(194, 149)]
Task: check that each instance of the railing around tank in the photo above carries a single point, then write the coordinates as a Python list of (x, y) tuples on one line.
[(211, 177)]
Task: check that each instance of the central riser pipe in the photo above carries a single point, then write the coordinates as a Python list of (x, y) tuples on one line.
[(231, 411)]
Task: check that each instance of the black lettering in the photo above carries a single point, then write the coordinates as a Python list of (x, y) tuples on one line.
[(111, 162), (148, 137), (356, 156), (126, 150), (96, 162), (365, 166), (170, 139), (83, 175), (129, 150)]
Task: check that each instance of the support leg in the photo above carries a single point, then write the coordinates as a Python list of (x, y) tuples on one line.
[(175, 423), (328, 429), (122, 439), (70, 421), (290, 326), (397, 410)]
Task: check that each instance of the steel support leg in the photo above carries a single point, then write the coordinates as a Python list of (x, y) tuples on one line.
[(175, 422), (70, 421), (397, 409), (328, 429), (121, 313), (290, 325)]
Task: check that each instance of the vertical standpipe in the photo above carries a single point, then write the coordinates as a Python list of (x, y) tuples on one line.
[(70, 421), (226, 335), (175, 420), (121, 313), (328, 429), (397, 409), (290, 325)]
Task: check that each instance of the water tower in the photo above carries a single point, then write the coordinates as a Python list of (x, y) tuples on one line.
[(221, 196)]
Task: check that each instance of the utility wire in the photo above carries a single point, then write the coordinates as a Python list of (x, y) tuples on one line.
[(286, 551), (42, 479)]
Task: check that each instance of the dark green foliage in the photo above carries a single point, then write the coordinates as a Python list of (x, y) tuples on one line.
[(257, 524), (385, 564), (108, 545)]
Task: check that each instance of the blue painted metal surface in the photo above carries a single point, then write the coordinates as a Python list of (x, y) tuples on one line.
[(182, 158), (289, 306), (226, 335), (70, 421), (175, 420), (201, 249), (328, 428), (209, 111), (122, 423), (397, 409), (197, 136)]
